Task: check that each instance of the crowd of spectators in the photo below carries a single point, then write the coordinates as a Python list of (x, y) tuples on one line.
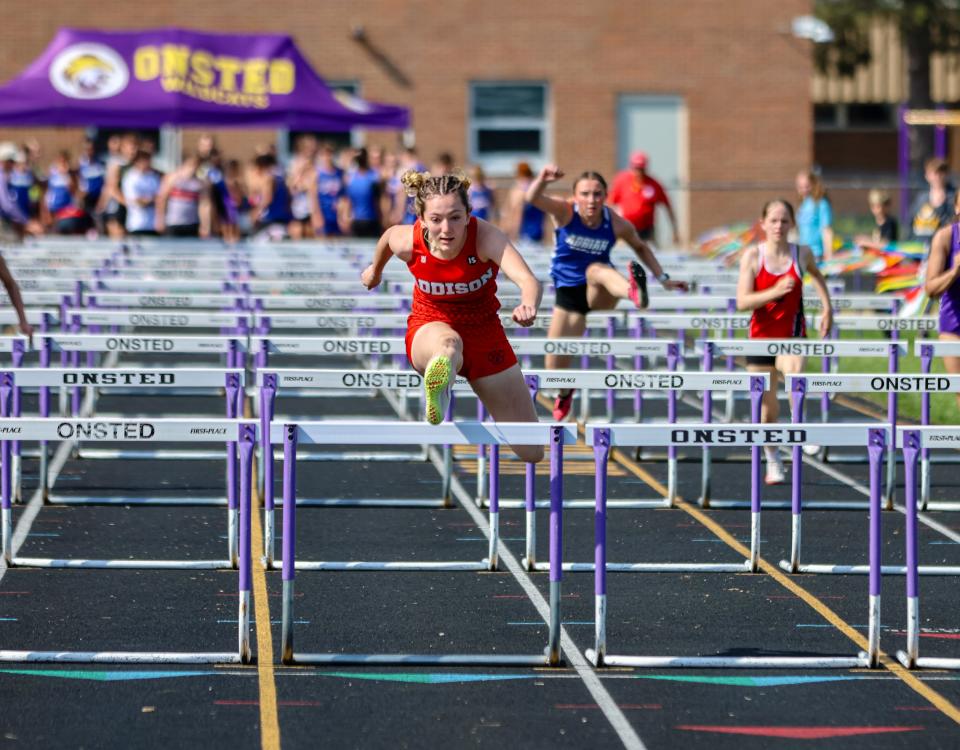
[(322, 191)]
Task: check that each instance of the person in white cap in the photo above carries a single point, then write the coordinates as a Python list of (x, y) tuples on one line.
[(636, 196)]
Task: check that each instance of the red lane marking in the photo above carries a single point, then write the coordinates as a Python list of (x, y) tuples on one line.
[(624, 706), (945, 636), (799, 733)]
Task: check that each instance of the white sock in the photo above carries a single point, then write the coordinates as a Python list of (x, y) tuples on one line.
[(770, 452)]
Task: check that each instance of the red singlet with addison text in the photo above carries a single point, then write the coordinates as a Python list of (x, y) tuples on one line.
[(461, 288), (781, 318), (462, 292)]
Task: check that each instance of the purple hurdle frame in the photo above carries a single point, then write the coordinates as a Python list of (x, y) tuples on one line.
[(552, 653), (913, 444), (602, 443), (246, 437)]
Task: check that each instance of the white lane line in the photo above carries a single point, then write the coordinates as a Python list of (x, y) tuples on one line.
[(36, 503), (577, 660), (864, 490)]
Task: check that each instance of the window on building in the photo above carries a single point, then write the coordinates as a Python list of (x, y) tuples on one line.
[(871, 116), (826, 116), (855, 116), (508, 122)]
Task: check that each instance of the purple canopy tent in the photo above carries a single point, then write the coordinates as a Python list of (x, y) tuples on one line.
[(180, 78)]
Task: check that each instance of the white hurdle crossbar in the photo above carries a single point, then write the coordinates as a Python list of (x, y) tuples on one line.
[(604, 437), (341, 433)]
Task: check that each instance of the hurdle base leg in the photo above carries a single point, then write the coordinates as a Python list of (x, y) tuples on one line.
[(931, 662), (124, 564), (16, 480), (887, 570), (268, 537), (286, 634), (614, 567), (6, 522), (737, 662), (119, 657), (908, 657), (243, 649), (233, 536), (924, 484), (423, 660), (43, 473)]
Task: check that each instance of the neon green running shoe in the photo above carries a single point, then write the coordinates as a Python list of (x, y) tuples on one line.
[(437, 379)]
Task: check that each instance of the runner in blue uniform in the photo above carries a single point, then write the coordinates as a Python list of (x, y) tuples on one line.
[(583, 277)]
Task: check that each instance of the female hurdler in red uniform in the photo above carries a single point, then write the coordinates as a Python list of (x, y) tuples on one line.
[(453, 325), (771, 287)]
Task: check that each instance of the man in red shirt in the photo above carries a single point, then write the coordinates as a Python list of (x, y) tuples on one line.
[(636, 195)]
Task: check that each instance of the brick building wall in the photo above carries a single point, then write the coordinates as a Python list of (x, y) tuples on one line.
[(744, 79)]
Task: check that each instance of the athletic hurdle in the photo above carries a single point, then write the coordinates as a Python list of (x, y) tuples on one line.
[(799, 386), (586, 348), (43, 429), (46, 378), (927, 350), (672, 383), (798, 347), (887, 324), (914, 442), (702, 323), (270, 381), (340, 433), (604, 436)]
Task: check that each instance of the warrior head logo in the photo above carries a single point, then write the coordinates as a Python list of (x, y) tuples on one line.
[(89, 71)]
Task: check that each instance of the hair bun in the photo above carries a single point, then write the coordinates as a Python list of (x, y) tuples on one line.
[(412, 181)]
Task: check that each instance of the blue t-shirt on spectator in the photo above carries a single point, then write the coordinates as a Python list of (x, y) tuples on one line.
[(362, 191), (813, 216)]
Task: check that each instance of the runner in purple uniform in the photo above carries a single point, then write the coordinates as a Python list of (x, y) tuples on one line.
[(943, 281)]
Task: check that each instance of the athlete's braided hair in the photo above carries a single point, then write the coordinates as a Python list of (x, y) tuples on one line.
[(423, 185)]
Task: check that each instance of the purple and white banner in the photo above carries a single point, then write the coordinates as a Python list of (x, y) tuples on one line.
[(142, 79)]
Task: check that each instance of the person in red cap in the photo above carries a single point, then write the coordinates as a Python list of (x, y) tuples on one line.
[(636, 195)]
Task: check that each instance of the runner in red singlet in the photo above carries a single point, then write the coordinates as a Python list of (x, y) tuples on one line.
[(771, 285), (454, 326)]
